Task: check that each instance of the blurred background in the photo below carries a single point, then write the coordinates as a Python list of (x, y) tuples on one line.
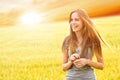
[(32, 32), (35, 11)]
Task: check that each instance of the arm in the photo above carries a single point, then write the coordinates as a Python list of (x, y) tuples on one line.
[(83, 61), (66, 64), (99, 64)]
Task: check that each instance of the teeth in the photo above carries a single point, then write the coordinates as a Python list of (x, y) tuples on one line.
[(75, 26)]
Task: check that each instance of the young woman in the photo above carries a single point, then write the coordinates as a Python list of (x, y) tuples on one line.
[(79, 47)]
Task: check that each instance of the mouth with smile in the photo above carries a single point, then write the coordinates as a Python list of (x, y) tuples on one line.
[(74, 27)]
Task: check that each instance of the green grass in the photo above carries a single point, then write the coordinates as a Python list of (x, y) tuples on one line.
[(34, 53)]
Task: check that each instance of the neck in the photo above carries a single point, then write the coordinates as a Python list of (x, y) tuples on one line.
[(79, 37)]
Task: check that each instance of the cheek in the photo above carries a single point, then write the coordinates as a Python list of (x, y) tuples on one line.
[(80, 25)]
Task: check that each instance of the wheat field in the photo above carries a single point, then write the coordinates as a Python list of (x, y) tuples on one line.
[(34, 52)]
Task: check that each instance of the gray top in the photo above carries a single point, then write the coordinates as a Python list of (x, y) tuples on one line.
[(84, 73)]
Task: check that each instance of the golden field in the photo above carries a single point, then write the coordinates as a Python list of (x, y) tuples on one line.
[(34, 52)]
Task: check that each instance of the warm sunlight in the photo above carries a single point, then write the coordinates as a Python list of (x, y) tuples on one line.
[(31, 18)]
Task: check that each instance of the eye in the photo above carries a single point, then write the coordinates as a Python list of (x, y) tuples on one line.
[(76, 19)]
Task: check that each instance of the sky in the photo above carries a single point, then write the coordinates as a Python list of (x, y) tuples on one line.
[(6, 5), (57, 9), (111, 6)]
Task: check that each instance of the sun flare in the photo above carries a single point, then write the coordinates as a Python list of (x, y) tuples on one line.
[(31, 18)]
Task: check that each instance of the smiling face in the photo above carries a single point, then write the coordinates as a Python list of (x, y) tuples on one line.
[(75, 22)]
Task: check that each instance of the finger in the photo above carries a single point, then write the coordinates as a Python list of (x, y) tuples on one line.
[(77, 60), (78, 65), (73, 59), (76, 56)]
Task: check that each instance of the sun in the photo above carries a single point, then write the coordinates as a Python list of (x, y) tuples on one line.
[(31, 18)]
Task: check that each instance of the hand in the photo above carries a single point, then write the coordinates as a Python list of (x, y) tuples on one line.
[(73, 57), (80, 62)]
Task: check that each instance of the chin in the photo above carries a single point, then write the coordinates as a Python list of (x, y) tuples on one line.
[(75, 30)]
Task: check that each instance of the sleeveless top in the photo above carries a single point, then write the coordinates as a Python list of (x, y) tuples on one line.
[(83, 73)]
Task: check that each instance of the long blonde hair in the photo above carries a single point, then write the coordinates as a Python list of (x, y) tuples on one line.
[(90, 36)]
